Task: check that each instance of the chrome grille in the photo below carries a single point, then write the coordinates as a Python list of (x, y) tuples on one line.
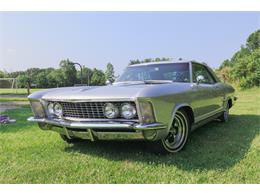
[(85, 110)]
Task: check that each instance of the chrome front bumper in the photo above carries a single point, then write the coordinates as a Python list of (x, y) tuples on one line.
[(93, 130)]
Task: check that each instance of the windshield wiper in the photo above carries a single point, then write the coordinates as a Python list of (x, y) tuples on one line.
[(156, 81), (144, 82)]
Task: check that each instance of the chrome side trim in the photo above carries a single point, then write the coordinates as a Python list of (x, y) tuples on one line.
[(207, 115)]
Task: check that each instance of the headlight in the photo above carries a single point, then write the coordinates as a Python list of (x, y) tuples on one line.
[(147, 112), (128, 111), (50, 108), (111, 111), (57, 109)]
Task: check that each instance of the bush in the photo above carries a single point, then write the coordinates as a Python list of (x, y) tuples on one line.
[(244, 66)]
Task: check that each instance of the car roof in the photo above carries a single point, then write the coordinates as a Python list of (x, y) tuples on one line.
[(169, 62)]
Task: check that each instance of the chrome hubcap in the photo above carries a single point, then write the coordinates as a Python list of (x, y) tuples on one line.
[(177, 133)]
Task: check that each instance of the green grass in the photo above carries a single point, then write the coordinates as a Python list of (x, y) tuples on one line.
[(21, 91), (215, 153), (13, 99)]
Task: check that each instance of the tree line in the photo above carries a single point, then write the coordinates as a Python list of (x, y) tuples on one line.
[(243, 68), (65, 75)]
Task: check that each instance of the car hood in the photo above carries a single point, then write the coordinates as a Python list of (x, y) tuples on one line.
[(110, 92)]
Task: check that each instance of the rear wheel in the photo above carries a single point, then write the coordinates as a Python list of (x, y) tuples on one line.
[(70, 140), (177, 137)]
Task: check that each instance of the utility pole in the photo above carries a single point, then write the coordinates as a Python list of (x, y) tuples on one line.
[(28, 85), (75, 63)]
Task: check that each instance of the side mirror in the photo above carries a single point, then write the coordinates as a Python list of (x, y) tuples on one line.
[(200, 79), (108, 82)]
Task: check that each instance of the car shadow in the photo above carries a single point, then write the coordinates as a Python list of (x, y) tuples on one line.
[(215, 146)]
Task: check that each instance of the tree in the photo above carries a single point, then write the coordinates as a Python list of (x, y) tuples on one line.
[(32, 73), (86, 75), (244, 66), (253, 41), (165, 59), (22, 81), (146, 60), (110, 73), (98, 77), (224, 64), (134, 62), (69, 72), (56, 78), (15, 74), (157, 59), (41, 79), (2, 74), (225, 74), (247, 70)]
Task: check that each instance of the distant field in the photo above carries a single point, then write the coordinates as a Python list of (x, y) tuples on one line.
[(12, 95), (21, 91), (215, 153)]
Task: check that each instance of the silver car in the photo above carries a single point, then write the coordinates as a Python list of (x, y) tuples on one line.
[(161, 102)]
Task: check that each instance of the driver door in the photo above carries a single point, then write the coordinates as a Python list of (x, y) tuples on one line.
[(206, 100)]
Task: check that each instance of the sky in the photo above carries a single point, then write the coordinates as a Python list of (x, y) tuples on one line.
[(42, 39)]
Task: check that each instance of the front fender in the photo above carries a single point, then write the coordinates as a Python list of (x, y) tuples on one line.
[(177, 107), (166, 107)]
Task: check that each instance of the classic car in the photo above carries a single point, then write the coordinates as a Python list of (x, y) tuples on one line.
[(161, 102)]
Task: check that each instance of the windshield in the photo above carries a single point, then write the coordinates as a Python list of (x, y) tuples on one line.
[(175, 72)]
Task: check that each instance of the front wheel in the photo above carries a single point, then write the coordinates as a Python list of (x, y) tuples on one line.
[(177, 137)]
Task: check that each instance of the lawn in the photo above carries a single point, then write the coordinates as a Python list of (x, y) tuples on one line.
[(215, 153), (13, 99)]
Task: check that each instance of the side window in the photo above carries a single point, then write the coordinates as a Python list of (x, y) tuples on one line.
[(197, 70)]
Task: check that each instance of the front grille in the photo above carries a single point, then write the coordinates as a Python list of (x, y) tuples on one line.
[(85, 110)]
